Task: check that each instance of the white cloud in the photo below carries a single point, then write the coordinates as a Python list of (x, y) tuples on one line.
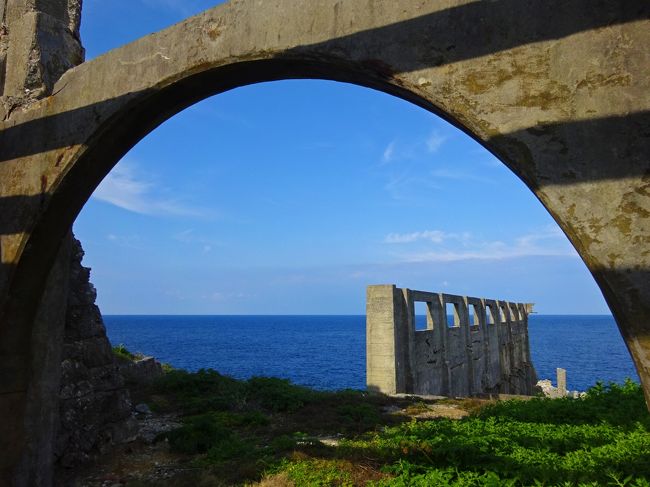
[(531, 240), (186, 236), (129, 241), (435, 236), (435, 141), (388, 152), (458, 175), (219, 296), (127, 190), (404, 187), (413, 173), (450, 247), (175, 294), (190, 237), (414, 149)]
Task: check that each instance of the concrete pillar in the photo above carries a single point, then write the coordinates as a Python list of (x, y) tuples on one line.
[(464, 324), (439, 316), (386, 348), (561, 382), (405, 341), (479, 342), (35, 466), (531, 374), (39, 41), (457, 349)]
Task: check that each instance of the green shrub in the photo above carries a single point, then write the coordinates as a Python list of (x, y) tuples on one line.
[(247, 419), (202, 391), (199, 434), (278, 395), (283, 443), (621, 405), (360, 416), (207, 390), (123, 353)]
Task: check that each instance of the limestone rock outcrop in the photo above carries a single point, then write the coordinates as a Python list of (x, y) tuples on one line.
[(95, 407), (141, 371)]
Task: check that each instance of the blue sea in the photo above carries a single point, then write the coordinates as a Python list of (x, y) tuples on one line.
[(328, 352)]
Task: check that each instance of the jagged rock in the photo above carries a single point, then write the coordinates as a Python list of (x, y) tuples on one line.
[(95, 406), (150, 427), (142, 409), (141, 371)]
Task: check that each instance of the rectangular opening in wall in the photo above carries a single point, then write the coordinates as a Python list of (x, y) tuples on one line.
[(502, 314), (422, 316), (523, 312), (489, 316), (453, 318), (474, 321), (514, 312)]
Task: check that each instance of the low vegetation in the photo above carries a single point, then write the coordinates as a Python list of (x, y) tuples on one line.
[(121, 352), (603, 439), (241, 431), (268, 432), (125, 355)]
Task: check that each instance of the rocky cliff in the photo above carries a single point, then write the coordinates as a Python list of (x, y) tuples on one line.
[(95, 407)]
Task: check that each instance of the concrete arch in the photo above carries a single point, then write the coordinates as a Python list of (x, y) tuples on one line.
[(557, 90)]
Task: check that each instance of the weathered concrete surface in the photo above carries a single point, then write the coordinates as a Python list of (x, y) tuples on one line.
[(557, 90), (42, 400), (39, 41), (465, 359)]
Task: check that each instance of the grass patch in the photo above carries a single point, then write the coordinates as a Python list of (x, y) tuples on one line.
[(263, 428), (318, 472)]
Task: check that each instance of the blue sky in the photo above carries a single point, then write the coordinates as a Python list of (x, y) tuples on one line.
[(291, 197)]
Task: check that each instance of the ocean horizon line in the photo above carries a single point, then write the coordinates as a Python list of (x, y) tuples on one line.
[(312, 314)]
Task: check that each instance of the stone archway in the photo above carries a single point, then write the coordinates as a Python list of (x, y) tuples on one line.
[(557, 90)]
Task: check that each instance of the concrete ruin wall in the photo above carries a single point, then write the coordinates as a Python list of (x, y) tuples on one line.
[(489, 355), (39, 41)]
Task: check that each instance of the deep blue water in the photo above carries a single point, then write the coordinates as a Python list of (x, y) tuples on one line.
[(328, 352)]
